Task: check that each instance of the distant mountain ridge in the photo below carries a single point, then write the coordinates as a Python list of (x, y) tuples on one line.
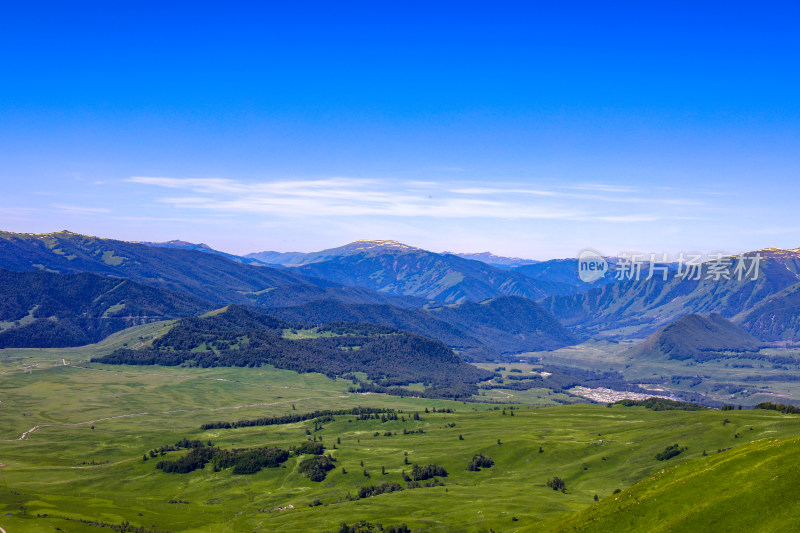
[(495, 260), (49, 310), (563, 271), (479, 331), (356, 247), (201, 247), (403, 270), (208, 276), (643, 306)]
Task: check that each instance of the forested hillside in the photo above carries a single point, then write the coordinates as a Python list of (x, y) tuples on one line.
[(237, 336), (44, 309), (699, 338), (478, 331)]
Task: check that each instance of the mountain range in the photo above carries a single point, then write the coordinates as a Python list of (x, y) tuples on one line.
[(208, 276), (480, 310), (637, 308)]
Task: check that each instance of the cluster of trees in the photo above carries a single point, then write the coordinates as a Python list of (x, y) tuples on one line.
[(416, 484), (196, 459), (478, 462), (382, 488), (316, 468), (787, 409), (420, 473), (181, 444), (556, 483), (368, 527), (661, 404), (249, 461), (773, 377), (124, 527), (670, 452), (243, 461), (361, 413), (309, 448), (240, 337)]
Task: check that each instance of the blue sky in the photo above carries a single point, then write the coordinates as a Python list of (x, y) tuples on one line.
[(525, 129)]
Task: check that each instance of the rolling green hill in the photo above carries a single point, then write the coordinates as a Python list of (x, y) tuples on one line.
[(44, 309), (747, 488), (698, 338), (235, 336)]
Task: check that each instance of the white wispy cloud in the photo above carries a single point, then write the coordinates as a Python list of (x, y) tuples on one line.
[(500, 190), (604, 187), (342, 197), (81, 210)]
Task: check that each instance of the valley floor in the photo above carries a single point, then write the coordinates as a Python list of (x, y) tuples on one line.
[(770, 375)]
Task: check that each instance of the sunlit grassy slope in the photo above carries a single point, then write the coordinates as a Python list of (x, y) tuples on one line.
[(748, 488)]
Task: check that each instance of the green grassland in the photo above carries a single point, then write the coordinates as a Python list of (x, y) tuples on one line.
[(744, 489), (95, 422)]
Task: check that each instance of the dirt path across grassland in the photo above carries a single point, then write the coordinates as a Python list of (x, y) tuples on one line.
[(25, 435)]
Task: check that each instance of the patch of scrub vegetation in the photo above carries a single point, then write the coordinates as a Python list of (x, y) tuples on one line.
[(306, 333), (110, 259), (114, 309), (24, 321), (661, 404), (669, 452)]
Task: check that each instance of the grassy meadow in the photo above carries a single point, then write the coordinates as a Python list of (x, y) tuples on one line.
[(95, 422)]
